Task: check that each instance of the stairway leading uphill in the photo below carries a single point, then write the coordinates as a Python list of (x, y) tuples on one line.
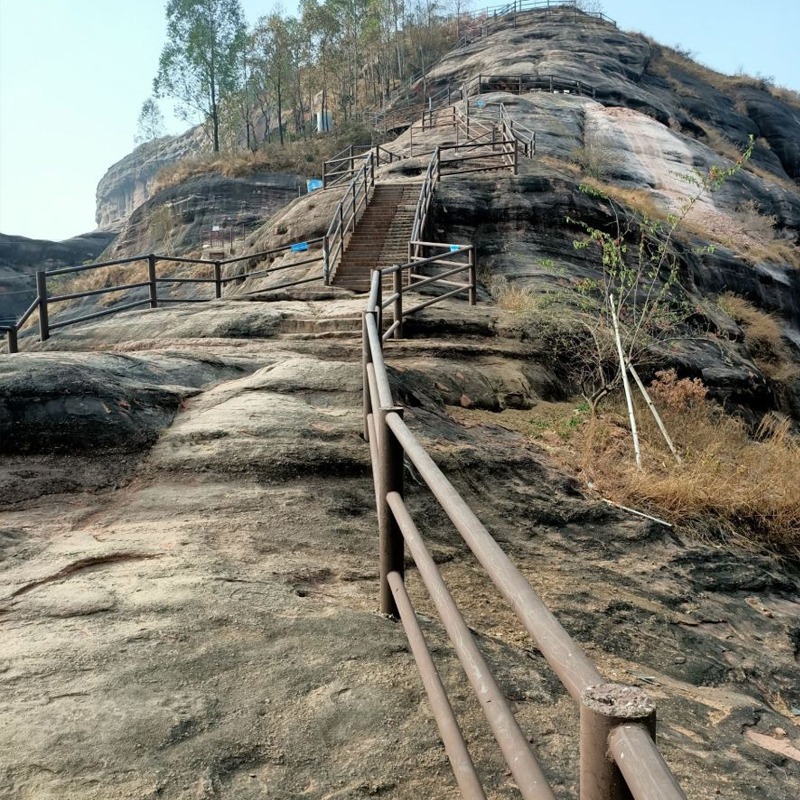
[(381, 236)]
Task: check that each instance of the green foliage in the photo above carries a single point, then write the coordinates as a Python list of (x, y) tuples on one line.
[(638, 283), (199, 63), (150, 124)]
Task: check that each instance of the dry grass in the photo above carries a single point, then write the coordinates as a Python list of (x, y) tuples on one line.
[(763, 338), (639, 201), (730, 486), (734, 486), (304, 156), (669, 63), (513, 297)]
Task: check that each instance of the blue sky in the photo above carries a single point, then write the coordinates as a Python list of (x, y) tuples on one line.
[(74, 73)]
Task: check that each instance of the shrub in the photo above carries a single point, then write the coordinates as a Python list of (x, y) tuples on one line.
[(737, 488), (762, 337)]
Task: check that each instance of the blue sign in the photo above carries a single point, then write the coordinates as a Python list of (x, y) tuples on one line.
[(480, 103), (454, 248), (299, 247), (312, 184)]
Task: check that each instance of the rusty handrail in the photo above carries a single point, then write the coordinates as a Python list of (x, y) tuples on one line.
[(44, 299), (617, 722), (348, 211)]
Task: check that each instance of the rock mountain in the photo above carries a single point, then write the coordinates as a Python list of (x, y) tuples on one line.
[(188, 542)]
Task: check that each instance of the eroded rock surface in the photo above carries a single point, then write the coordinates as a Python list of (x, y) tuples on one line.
[(205, 625)]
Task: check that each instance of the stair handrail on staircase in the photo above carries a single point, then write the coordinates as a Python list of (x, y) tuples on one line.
[(346, 215), (333, 171), (429, 184)]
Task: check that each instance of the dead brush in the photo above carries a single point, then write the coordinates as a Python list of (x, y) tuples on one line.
[(762, 336), (639, 201), (513, 297), (740, 488)]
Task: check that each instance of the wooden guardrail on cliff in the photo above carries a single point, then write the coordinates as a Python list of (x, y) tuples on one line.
[(148, 277), (618, 754)]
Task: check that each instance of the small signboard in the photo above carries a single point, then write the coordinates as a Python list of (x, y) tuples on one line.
[(454, 248), (312, 184), (480, 104), (299, 247)]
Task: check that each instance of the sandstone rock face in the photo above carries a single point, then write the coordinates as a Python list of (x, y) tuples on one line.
[(194, 615), (627, 69), (129, 182), (188, 543), (179, 219), (21, 257)]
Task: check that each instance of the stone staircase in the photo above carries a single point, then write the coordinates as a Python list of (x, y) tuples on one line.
[(381, 236)]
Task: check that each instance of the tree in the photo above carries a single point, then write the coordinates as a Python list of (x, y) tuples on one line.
[(635, 304), (150, 124), (200, 64)]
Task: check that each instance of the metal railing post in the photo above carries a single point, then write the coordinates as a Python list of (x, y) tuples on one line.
[(603, 708), (11, 339), (355, 208), (397, 311), (516, 156), (390, 479), (366, 358), (217, 280), (473, 277), (151, 277), (379, 305), (44, 321), (326, 261)]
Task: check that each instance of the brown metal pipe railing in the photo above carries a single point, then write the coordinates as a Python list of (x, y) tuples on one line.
[(619, 758), (454, 744), (97, 314), (346, 214), (57, 298), (44, 300), (646, 774), (513, 743), (564, 656), (85, 267)]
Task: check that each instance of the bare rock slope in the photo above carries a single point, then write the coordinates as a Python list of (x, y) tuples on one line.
[(188, 601), (194, 615)]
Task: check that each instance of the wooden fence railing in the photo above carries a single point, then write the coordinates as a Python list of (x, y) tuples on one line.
[(525, 136), (46, 300), (618, 755)]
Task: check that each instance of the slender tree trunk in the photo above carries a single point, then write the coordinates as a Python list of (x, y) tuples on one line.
[(280, 112)]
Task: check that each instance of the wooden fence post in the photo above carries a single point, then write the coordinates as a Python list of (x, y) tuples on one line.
[(44, 321), (473, 277), (397, 290), (217, 280), (151, 277), (603, 708), (390, 479)]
